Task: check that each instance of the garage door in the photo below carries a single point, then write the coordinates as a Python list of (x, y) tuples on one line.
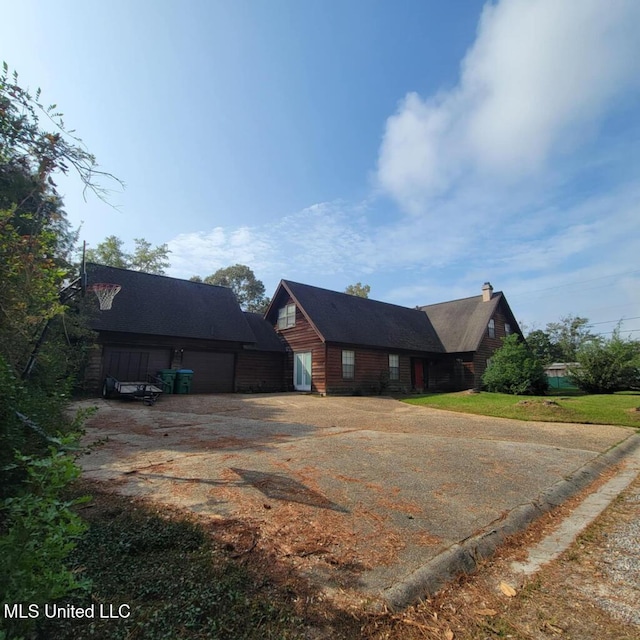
[(134, 364), (212, 372)]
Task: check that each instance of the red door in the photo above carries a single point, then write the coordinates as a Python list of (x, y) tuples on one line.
[(418, 374)]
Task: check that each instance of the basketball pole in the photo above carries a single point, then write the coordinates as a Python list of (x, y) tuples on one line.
[(66, 293)]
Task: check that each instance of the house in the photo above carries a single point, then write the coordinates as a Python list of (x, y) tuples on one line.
[(470, 329), (157, 322), (338, 343), (310, 339)]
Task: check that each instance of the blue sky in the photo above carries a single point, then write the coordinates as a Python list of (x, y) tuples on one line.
[(422, 147)]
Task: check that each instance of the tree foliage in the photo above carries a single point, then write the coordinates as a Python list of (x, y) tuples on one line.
[(514, 369), (542, 348), (605, 366), (30, 155), (358, 289), (248, 290), (568, 336), (145, 257), (36, 245), (33, 551), (36, 241), (560, 341)]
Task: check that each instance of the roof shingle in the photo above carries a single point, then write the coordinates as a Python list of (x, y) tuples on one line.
[(159, 305), (266, 338), (347, 319), (461, 324)]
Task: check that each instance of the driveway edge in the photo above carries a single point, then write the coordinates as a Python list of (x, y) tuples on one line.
[(463, 557)]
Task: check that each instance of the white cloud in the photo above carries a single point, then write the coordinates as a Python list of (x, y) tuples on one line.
[(494, 175), (421, 261), (536, 82), (203, 253), (327, 238)]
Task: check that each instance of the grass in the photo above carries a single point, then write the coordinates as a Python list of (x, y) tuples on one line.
[(177, 581), (616, 409)]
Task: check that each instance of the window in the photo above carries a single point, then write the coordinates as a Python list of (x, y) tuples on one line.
[(492, 328), (394, 366), (507, 329), (348, 364), (287, 316)]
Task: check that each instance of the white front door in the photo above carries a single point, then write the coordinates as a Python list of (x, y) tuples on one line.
[(302, 371)]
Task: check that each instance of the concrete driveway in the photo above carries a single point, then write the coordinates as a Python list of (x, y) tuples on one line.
[(360, 494)]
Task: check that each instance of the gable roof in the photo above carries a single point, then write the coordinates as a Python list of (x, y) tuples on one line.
[(159, 305), (266, 337), (347, 319), (461, 324)]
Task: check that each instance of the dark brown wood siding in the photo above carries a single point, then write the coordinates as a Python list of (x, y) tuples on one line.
[(259, 371), (92, 379), (489, 345), (299, 339), (371, 371)]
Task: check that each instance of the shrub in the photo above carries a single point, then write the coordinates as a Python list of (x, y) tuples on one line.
[(39, 533), (38, 529), (514, 369), (28, 417), (605, 366)]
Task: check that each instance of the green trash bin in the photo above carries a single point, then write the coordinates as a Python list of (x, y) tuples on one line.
[(168, 377), (183, 380)]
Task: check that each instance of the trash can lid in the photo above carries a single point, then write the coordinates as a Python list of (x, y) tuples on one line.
[(185, 370)]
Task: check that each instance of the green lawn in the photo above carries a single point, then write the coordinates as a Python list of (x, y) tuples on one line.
[(590, 409)]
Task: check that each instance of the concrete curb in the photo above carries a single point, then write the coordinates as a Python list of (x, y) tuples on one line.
[(463, 557)]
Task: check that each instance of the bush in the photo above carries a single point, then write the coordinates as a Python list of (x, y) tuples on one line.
[(605, 366), (29, 415), (39, 533), (38, 529), (514, 369)]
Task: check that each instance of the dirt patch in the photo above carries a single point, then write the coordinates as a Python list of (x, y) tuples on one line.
[(309, 533), (551, 404)]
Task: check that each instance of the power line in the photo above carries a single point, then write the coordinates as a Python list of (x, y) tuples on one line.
[(591, 324), (615, 306), (603, 333), (571, 284)]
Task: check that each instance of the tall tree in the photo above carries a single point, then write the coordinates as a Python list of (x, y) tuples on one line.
[(542, 348), (109, 252), (248, 290), (150, 259), (35, 247), (36, 241), (568, 336), (358, 289), (145, 257)]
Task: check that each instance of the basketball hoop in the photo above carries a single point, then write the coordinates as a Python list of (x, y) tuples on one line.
[(105, 293)]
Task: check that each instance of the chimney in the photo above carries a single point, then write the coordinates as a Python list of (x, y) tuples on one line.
[(487, 292)]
